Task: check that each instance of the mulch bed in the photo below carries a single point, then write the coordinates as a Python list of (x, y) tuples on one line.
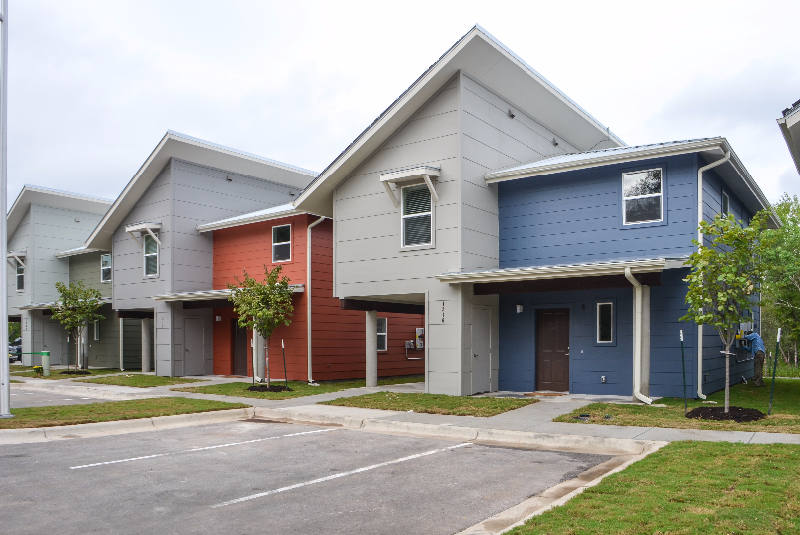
[(75, 372), (735, 414), (271, 388)]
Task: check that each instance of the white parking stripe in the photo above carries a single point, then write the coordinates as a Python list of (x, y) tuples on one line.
[(199, 449), (336, 476)]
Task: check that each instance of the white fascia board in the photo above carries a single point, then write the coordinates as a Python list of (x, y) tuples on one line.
[(605, 159), (555, 272), (76, 251), (210, 295), (247, 219)]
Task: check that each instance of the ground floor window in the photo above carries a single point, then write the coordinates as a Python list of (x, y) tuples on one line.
[(605, 322), (382, 334)]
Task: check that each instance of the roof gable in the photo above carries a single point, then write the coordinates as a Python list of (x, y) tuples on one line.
[(52, 197)]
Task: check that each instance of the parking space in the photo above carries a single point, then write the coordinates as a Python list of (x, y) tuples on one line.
[(28, 398), (268, 477)]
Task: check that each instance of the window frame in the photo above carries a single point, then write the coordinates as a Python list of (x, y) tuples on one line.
[(272, 239), (613, 303), (157, 254), (430, 213), (385, 334), (96, 333), (725, 204), (17, 274), (661, 196), (108, 268)]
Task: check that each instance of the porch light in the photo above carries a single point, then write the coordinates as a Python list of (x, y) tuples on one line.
[(519, 309)]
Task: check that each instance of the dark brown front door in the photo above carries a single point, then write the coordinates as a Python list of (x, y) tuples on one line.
[(239, 335), (552, 349)]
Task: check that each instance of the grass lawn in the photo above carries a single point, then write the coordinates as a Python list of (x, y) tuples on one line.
[(59, 374), (688, 487), (299, 388), (432, 403), (13, 381), (111, 410), (139, 380), (785, 410), (20, 368)]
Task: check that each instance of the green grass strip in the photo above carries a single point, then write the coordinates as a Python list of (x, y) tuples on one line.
[(138, 380), (433, 403), (688, 488), (109, 411), (299, 388), (785, 416)]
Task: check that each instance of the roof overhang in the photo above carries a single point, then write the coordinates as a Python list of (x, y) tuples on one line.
[(210, 295), (491, 63), (47, 306), (77, 251), (594, 269), (198, 151), (733, 172), (52, 197), (268, 214), (790, 128)]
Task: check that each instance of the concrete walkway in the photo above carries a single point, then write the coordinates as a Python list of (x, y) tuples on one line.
[(534, 418)]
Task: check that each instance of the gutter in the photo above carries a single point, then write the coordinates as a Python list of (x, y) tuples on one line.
[(700, 242), (637, 338), (308, 292)]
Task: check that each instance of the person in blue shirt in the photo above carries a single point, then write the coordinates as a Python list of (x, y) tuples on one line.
[(757, 348)]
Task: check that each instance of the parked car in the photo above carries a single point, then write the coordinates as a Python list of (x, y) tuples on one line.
[(15, 353)]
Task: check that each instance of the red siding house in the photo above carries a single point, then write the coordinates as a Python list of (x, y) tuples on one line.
[(280, 236)]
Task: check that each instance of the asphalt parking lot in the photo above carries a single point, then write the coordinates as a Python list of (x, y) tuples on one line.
[(268, 477), (27, 398)]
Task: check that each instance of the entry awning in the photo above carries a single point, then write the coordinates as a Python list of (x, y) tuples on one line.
[(211, 295), (47, 306), (593, 269)]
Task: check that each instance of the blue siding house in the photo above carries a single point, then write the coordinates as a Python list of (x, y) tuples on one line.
[(591, 284)]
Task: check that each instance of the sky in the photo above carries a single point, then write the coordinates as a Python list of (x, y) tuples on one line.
[(95, 85)]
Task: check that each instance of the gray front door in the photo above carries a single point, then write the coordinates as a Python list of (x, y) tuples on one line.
[(53, 334), (194, 361), (481, 349)]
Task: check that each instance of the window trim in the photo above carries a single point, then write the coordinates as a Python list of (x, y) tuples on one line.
[(625, 222), (272, 240), (403, 217), (17, 274), (108, 268), (385, 334), (597, 322), (145, 255), (600, 301), (725, 200), (96, 330)]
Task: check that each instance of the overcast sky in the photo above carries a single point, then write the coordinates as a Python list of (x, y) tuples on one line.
[(95, 85)]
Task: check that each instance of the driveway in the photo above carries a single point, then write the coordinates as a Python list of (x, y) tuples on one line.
[(268, 477)]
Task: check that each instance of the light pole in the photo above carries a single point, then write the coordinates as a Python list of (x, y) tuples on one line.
[(5, 379)]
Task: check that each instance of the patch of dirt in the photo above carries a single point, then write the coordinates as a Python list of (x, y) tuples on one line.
[(75, 372), (270, 388), (735, 414)]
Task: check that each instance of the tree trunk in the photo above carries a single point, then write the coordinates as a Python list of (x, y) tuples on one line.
[(266, 361), (77, 351), (727, 378)]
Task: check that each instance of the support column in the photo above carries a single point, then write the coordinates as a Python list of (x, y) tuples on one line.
[(121, 344), (645, 366), (372, 348), (146, 345)]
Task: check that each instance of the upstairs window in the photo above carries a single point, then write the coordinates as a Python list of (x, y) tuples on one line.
[(382, 334), (150, 256), (20, 276), (105, 268), (282, 243), (726, 203), (96, 330), (605, 323), (417, 216), (642, 197)]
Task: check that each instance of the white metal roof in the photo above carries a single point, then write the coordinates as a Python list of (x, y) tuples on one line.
[(46, 306), (589, 269), (31, 194), (485, 58), (267, 214), (209, 295)]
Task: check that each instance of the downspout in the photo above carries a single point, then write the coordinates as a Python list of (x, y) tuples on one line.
[(637, 338), (700, 240), (308, 293)]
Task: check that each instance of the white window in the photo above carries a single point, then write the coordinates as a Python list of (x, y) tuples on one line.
[(382, 334), (726, 204), (20, 276), (642, 197), (282, 243), (105, 268), (97, 330), (605, 323), (417, 216), (150, 256)]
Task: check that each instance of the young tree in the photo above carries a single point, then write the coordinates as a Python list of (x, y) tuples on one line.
[(724, 279), (76, 308), (263, 305)]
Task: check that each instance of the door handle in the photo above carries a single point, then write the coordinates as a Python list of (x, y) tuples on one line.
[(474, 355)]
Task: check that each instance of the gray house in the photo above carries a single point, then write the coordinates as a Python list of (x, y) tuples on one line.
[(41, 223), (409, 200), (161, 266)]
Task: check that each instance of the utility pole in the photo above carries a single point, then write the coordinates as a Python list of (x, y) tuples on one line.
[(5, 379)]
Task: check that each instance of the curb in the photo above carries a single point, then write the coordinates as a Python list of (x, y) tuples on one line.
[(119, 427)]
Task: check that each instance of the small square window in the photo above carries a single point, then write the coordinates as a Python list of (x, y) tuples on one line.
[(105, 268), (642, 197), (605, 323), (382, 334), (282, 243), (726, 204)]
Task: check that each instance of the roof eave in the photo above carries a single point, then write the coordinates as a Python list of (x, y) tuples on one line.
[(228, 223), (555, 272)]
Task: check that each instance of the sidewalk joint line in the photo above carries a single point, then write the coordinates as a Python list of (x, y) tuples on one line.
[(193, 450), (336, 476)]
